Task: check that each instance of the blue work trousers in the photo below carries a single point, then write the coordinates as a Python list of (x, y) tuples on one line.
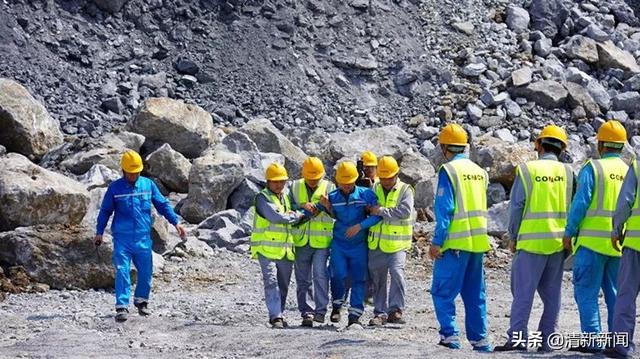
[(349, 263), (136, 248)]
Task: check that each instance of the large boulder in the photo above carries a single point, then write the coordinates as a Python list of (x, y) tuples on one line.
[(187, 128), (32, 195), (170, 167), (548, 16), (517, 19), (610, 56), (81, 162), (627, 101), (498, 219), (546, 93), (269, 139), (211, 180), (255, 162), (25, 125), (583, 48), (228, 229), (243, 196), (60, 256), (417, 171), (388, 140), (500, 158), (99, 176), (112, 6), (579, 96)]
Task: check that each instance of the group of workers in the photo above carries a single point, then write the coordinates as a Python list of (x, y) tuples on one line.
[(338, 239)]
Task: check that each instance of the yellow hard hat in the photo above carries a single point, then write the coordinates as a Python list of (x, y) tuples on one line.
[(346, 173), (555, 132), (369, 159), (312, 168), (276, 172), (388, 167), (131, 162), (612, 131), (453, 134)]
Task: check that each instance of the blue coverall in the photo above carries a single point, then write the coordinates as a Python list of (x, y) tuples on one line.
[(131, 229), (457, 272), (591, 270), (349, 255)]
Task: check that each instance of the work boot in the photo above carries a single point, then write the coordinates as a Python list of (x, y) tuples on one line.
[(354, 321), (307, 320), (121, 314), (335, 315), (378, 321), (396, 317), (142, 309), (318, 318), (509, 347), (277, 323), (482, 346), (451, 342)]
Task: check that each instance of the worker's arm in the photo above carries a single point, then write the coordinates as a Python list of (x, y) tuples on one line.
[(581, 200), (443, 207), (517, 201), (371, 200), (269, 211), (162, 205), (106, 209), (402, 210), (626, 199)]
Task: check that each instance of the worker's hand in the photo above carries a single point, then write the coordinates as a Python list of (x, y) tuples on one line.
[(434, 252), (374, 210), (324, 201), (615, 242), (566, 243), (353, 230), (512, 246), (97, 240), (311, 208), (181, 232)]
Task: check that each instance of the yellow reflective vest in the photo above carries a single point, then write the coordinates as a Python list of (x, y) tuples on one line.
[(548, 187), (392, 235), (595, 229), (468, 227), (318, 231), (273, 241)]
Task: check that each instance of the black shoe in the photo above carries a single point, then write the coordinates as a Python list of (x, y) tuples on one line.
[(509, 347), (613, 353), (335, 315), (307, 321), (122, 314), (318, 318), (354, 321), (277, 323), (396, 317), (142, 309)]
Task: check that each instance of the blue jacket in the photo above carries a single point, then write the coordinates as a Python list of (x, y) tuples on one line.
[(132, 207), (626, 199), (349, 211), (582, 199), (444, 205)]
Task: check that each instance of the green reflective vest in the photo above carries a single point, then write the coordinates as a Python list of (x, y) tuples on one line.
[(468, 227), (632, 233), (596, 227), (392, 235), (548, 186), (318, 231), (274, 241)]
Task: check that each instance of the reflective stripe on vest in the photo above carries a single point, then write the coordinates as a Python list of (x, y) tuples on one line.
[(548, 187), (274, 241), (392, 235), (595, 229), (318, 231), (468, 228), (632, 233)]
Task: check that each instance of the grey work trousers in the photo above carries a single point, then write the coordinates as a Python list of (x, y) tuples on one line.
[(312, 280), (381, 265), (276, 275)]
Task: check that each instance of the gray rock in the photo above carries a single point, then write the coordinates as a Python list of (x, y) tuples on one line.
[(543, 47), (599, 94), (164, 236), (60, 256), (25, 125), (425, 132), (487, 97), (522, 76), (415, 168), (359, 4), (425, 193), (504, 135), (546, 93), (99, 176), (112, 6), (255, 162), (512, 108), (547, 16), (269, 139), (211, 180), (32, 195), (610, 56), (387, 140), (464, 27), (3, 150), (621, 116), (474, 70), (495, 194), (517, 19), (594, 32), (186, 66), (579, 96), (583, 48), (500, 158), (129, 140), (170, 167), (427, 148), (242, 198), (573, 74), (187, 128), (498, 219), (474, 112), (627, 101), (632, 84), (81, 162)]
